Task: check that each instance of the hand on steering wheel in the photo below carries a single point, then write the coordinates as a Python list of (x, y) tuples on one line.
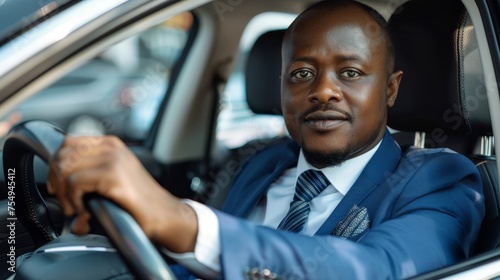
[(73, 165)]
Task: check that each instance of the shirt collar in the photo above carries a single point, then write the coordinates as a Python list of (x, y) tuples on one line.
[(342, 176)]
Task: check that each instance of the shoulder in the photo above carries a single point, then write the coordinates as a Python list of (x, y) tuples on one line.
[(435, 159), (268, 149), (424, 171), (261, 157)]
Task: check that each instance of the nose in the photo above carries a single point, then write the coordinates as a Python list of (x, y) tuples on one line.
[(325, 89)]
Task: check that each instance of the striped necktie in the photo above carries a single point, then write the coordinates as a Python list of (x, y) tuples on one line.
[(309, 185)]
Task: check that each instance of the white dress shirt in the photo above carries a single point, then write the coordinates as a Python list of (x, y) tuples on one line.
[(271, 209)]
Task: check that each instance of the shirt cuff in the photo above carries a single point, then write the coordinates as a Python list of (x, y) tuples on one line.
[(205, 260)]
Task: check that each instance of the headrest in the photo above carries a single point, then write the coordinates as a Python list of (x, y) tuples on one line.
[(262, 74), (443, 85)]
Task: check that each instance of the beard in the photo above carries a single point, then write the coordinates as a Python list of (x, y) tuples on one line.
[(321, 159)]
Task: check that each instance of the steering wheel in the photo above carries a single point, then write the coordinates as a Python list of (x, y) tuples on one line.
[(42, 139)]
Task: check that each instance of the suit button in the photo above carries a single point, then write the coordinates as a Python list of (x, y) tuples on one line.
[(267, 274), (257, 274)]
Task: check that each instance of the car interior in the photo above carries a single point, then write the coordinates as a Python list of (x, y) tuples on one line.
[(448, 98)]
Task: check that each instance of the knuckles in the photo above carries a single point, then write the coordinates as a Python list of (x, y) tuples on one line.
[(104, 154)]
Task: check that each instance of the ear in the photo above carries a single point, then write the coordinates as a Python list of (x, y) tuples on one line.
[(393, 87)]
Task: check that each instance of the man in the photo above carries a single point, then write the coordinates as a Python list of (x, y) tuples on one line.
[(376, 212)]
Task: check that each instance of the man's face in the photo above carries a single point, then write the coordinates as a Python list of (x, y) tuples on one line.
[(335, 84)]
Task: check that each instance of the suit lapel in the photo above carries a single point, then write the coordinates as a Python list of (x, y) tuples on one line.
[(258, 175), (368, 190)]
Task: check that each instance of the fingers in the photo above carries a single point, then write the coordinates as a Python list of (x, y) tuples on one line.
[(79, 167), (104, 165), (80, 224), (90, 180)]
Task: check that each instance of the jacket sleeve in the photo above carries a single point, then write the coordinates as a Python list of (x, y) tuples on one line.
[(429, 220)]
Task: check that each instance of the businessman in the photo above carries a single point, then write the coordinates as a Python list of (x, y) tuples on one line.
[(341, 201)]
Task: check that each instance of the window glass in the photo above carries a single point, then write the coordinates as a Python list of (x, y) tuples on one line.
[(118, 92), (237, 123)]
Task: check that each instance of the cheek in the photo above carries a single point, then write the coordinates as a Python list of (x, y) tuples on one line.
[(371, 112), (289, 104), (368, 106), (290, 115)]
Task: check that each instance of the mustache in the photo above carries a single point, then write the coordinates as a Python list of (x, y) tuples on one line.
[(326, 107)]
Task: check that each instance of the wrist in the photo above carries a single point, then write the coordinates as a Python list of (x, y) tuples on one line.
[(179, 234)]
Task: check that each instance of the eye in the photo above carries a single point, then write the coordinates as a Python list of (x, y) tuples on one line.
[(350, 74), (301, 75)]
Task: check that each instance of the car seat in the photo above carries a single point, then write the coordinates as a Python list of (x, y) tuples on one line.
[(442, 97)]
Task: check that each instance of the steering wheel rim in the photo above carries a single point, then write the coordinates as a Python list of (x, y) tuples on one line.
[(43, 139)]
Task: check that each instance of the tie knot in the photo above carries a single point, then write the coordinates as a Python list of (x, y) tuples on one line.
[(309, 185)]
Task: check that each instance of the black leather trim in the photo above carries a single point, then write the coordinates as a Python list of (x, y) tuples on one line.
[(443, 83), (263, 72), (489, 236)]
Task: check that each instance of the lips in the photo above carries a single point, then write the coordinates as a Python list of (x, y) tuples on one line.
[(325, 120)]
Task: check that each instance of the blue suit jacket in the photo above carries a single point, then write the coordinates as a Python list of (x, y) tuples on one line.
[(425, 207)]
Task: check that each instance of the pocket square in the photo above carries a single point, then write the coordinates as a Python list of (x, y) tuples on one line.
[(354, 223)]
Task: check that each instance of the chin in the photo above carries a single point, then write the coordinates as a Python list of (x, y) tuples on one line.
[(322, 159)]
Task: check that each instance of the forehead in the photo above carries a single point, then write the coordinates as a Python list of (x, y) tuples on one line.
[(344, 28), (340, 38)]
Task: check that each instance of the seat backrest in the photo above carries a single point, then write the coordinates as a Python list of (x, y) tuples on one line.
[(443, 92), (262, 74)]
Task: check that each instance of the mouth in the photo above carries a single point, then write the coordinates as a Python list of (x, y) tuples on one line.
[(325, 120)]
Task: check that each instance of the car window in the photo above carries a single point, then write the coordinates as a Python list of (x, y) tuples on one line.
[(18, 15), (237, 124), (117, 92)]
